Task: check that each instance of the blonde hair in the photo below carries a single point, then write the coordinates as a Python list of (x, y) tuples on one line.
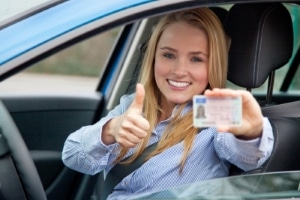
[(181, 127)]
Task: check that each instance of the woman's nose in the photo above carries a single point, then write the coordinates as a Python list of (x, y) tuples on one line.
[(180, 67)]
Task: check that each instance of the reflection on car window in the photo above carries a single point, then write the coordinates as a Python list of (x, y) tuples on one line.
[(10, 10), (75, 69), (276, 185)]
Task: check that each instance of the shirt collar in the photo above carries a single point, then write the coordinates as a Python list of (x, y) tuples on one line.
[(185, 110)]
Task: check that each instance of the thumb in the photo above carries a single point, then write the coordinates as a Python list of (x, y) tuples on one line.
[(138, 101)]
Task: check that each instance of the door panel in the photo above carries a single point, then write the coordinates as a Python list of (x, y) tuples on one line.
[(45, 123)]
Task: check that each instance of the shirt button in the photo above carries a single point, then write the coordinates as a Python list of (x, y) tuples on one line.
[(125, 183)]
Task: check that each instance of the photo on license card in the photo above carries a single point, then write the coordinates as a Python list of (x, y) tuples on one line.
[(215, 111)]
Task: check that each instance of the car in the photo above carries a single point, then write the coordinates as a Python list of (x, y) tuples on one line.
[(91, 53)]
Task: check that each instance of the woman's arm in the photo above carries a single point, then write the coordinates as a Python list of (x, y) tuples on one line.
[(84, 150), (246, 154)]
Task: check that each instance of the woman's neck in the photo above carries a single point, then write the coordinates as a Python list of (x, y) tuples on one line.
[(167, 110)]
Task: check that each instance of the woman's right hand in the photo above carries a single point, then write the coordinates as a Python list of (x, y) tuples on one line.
[(252, 118), (130, 128)]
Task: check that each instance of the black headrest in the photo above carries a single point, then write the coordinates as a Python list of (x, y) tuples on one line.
[(220, 12), (261, 41)]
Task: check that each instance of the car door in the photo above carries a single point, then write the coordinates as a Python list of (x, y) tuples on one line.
[(48, 107), (58, 95)]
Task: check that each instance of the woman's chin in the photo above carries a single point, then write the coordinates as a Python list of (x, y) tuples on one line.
[(179, 100)]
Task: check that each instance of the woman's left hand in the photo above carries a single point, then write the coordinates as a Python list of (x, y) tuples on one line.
[(252, 122)]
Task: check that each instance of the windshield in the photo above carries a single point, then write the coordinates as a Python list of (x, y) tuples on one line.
[(279, 185), (13, 10)]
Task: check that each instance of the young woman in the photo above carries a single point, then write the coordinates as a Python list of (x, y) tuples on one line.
[(186, 56)]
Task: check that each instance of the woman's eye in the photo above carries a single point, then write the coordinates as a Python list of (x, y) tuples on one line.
[(196, 59), (169, 55)]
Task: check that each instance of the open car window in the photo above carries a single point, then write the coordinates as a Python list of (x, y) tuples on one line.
[(73, 70)]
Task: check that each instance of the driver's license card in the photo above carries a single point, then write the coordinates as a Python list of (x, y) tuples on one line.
[(212, 111)]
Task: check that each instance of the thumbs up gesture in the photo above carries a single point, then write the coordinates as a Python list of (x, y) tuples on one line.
[(130, 128)]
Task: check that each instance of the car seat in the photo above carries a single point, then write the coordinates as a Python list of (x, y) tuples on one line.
[(261, 42)]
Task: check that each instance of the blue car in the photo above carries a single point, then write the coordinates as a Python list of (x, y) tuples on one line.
[(65, 63)]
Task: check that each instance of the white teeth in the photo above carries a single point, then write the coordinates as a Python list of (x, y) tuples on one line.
[(178, 84)]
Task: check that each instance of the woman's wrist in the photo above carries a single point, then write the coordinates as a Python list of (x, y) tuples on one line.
[(107, 133)]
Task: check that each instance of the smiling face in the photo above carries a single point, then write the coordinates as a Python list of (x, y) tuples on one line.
[(181, 63)]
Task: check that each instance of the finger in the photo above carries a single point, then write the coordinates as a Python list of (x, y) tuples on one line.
[(230, 129), (131, 138), (138, 101), (127, 144), (137, 121), (128, 139), (217, 92), (139, 133), (222, 129), (137, 125)]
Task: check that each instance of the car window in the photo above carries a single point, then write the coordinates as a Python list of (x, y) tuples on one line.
[(282, 72), (276, 185), (295, 12), (75, 69)]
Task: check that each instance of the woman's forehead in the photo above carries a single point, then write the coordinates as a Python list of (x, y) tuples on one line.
[(182, 34)]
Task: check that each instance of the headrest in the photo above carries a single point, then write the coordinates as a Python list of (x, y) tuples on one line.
[(220, 12), (261, 41)]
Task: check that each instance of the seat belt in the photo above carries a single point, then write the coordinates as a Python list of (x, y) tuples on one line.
[(120, 171)]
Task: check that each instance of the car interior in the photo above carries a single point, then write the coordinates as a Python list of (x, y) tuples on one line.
[(251, 63), (41, 124)]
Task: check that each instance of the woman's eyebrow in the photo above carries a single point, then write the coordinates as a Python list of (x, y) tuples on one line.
[(167, 48), (192, 52), (199, 52)]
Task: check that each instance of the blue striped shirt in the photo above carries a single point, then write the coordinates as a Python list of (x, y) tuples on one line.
[(210, 156)]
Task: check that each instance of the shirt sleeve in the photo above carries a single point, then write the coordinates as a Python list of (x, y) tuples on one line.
[(246, 154), (84, 151)]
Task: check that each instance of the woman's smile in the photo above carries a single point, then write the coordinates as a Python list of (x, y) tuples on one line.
[(178, 84)]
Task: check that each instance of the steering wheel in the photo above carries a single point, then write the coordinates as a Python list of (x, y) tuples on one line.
[(19, 178)]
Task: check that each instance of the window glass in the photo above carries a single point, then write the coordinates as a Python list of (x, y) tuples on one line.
[(295, 13), (295, 85), (75, 69)]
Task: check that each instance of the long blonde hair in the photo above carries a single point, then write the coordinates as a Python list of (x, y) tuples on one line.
[(180, 128)]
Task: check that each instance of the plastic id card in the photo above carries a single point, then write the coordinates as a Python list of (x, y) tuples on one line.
[(212, 111)]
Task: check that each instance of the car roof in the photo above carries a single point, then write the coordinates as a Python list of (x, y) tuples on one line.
[(68, 20)]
